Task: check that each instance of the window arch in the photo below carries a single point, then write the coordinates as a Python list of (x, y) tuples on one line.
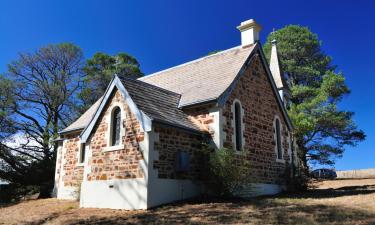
[(237, 125), (279, 148), (115, 127)]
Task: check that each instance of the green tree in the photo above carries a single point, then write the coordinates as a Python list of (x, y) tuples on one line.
[(321, 128), (99, 71), (38, 93)]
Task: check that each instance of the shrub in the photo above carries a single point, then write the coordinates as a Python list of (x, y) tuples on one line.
[(296, 178), (227, 172)]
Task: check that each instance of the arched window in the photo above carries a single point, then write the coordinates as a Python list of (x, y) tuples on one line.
[(238, 126), (278, 139), (82, 153), (115, 126)]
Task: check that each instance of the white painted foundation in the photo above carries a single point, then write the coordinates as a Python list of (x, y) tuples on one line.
[(114, 194), (162, 191), (259, 189), (69, 193)]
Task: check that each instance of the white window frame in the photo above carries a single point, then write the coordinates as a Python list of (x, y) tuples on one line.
[(234, 126), (109, 130), (282, 160), (79, 155)]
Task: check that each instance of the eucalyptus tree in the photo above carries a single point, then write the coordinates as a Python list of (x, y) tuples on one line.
[(40, 90)]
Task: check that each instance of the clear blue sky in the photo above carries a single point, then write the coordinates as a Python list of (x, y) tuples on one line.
[(161, 34)]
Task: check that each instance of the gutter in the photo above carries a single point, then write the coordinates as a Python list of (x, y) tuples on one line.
[(191, 130), (201, 102), (71, 130)]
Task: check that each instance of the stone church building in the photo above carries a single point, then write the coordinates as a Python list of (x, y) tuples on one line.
[(138, 146)]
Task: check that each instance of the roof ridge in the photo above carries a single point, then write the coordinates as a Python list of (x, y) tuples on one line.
[(189, 62), (149, 85)]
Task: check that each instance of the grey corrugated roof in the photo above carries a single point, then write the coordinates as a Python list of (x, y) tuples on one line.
[(84, 119), (203, 79), (157, 103)]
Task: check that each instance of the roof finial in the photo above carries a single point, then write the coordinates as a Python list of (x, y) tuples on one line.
[(274, 42)]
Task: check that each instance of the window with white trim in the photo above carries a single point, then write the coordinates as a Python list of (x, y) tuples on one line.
[(82, 153), (238, 126), (115, 127), (279, 148)]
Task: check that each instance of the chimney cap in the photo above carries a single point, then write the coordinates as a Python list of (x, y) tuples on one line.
[(251, 23)]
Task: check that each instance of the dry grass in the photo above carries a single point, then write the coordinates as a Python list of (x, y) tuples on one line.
[(332, 202)]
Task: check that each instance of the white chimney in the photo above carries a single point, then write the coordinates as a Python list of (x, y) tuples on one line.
[(249, 32)]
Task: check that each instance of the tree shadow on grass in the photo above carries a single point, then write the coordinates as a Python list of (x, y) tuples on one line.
[(299, 208), (45, 219), (333, 192), (264, 210)]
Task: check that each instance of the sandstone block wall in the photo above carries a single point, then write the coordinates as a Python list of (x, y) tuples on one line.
[(73, 173), (104, 165), (200, 115), (117, 164), (171, 140), (260, 107)]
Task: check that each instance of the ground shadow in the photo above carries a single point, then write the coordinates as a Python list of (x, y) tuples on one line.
[(255, 211), (289, 208), (332, 192)]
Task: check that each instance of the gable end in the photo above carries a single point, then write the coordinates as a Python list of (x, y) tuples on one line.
[(257, 51), (144, 120)]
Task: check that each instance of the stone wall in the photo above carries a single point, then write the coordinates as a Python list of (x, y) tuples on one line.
[(200, 115), (356, 174), (260, 106), (73, 172), (122, 163), (170, 141)]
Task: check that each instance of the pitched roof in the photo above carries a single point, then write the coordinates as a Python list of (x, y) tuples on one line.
[(159, 104), (84, 119), (203, 79), (161, 95)]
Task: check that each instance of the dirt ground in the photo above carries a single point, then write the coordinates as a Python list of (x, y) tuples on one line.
[(331, 202)]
